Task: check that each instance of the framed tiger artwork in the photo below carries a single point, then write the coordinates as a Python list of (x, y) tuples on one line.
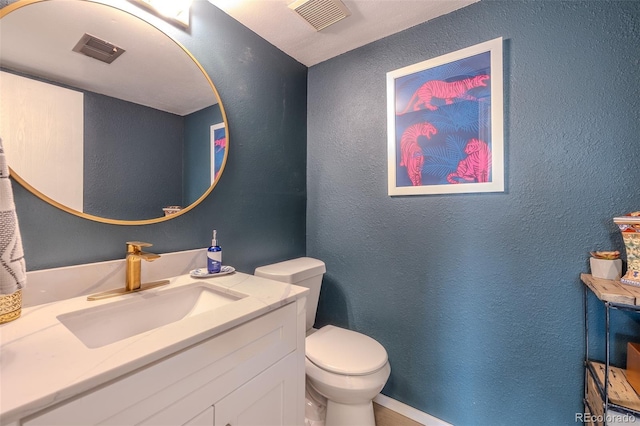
[(445, 123)]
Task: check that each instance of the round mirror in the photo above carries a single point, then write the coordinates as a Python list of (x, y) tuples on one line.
[(105, 116)]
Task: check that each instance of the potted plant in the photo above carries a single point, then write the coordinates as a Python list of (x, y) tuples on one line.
[(606, 264)]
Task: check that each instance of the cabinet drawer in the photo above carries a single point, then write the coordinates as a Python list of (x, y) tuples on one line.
[(206, 418), (264, 400), (238, 354)]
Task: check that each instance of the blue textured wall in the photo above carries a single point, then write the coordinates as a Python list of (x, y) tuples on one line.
[(477, 298), (164, 151), (130, 148), (258, 207)]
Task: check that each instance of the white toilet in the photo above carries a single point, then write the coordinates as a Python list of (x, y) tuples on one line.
[(345, 369)]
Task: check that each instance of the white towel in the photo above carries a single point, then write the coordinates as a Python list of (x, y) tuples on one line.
[(13, 272)]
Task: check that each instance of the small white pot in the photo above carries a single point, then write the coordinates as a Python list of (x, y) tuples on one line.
[(610, 269)]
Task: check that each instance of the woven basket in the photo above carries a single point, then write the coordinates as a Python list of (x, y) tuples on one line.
[(10, 306)]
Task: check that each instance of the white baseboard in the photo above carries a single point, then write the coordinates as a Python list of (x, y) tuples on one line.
[(410, 412)]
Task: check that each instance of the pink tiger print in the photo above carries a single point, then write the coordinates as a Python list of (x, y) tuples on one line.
[(220, 143), (475, 166), (444, 90), (412, 157)]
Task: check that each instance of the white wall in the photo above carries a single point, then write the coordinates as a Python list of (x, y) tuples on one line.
[(50, 117)]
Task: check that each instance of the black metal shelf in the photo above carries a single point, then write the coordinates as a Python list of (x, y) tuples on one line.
[(613, 389)]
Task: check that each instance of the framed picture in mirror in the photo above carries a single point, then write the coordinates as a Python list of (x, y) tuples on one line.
[(218, 149)]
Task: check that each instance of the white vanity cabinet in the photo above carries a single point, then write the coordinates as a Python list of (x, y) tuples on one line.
[(266, 400), (252, 374), (206, 418), (262, 401)]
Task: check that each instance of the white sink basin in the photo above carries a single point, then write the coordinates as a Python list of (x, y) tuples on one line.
[(141, 312)]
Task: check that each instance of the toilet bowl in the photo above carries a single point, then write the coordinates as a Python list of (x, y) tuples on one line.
[(349, 369), (344, 369)]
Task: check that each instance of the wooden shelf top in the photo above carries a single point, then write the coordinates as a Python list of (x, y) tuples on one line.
[(612, 291)]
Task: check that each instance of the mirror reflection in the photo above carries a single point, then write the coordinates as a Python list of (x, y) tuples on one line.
[(116, 142)]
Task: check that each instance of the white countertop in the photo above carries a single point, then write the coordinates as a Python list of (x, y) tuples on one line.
[(42, 362)]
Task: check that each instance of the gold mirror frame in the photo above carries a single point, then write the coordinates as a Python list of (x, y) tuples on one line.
[(22, 3)]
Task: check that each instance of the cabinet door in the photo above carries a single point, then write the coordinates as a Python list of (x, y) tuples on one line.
[(203, 419), (269, 399)]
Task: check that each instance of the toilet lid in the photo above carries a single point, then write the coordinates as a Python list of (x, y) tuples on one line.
[(343, 351)]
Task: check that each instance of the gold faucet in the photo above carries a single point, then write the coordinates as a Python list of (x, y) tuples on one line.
[(134, 267), (134, 254)]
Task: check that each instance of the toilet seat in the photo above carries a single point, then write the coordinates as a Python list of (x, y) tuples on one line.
[(347, 352)]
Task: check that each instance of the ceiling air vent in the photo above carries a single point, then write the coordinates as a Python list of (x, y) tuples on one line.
[(98, 49), (320, 13)]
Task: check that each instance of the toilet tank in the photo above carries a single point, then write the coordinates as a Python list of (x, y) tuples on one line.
[(304, 272)]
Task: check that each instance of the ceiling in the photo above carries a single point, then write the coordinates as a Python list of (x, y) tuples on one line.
[(37, 40), (370, 20)]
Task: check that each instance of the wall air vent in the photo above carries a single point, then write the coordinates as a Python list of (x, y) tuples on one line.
[(320, 13), (98, 49)]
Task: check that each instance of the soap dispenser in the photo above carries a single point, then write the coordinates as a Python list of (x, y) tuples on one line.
[(214, 256)]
